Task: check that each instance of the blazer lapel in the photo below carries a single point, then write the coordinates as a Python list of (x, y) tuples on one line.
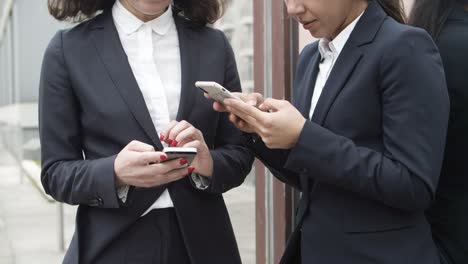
[(304, 94), (364, 33), (190, 63), (340, 74), (112, 54)]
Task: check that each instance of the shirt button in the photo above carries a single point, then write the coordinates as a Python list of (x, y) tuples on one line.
[(100, 201)]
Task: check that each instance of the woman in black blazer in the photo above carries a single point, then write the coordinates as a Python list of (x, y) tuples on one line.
[(104, 118), (447, 22), (363, 139)]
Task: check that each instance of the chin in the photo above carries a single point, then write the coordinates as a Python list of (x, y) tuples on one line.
[(156, 8), (152, 11), (317, 34)]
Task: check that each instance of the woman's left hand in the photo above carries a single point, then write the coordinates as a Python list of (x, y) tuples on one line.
[(277, 122), (183, 134)]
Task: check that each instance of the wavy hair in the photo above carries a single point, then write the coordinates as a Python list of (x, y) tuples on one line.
[(199, 12)]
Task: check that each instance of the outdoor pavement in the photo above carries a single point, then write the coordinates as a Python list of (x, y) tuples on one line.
[(29, 232)]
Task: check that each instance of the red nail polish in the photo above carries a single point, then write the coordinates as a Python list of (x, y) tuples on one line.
[(191, 169), (161, 138), (169, 141), (163, 157), (183, 162), (175, 143)]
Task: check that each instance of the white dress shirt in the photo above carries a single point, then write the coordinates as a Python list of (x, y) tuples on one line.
[(330, 51), (153, 53)]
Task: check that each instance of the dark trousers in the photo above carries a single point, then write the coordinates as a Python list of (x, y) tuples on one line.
[(154, 239)]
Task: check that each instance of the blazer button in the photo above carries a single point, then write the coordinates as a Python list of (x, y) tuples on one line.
[(100, 201)]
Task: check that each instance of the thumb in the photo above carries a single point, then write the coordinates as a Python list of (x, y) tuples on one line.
[(270, 105), (255, 99), (139, 146)]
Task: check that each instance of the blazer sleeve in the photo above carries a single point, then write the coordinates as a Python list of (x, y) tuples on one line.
[(231, 158), (415, 115), (274, 160), (66, 175)]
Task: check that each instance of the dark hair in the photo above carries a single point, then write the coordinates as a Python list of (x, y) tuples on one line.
[(199, 12), (432, 14), (394, 9)]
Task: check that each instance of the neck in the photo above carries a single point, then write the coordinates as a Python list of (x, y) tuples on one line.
[(354, 13), (143, 17)]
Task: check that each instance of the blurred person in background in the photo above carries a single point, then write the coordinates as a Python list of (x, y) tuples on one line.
[(116, 88), (447, 22), (363, 139)]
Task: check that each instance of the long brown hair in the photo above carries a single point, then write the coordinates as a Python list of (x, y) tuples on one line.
[(199, 12), (394, 9)]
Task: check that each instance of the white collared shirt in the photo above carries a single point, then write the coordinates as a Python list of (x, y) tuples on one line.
[(153, 53), (330, 51)]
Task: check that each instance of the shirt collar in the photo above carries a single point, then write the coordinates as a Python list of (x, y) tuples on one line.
[(130, 23), (337, 45)]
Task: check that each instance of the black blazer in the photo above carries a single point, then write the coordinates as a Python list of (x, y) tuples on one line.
[(449, 214), (91, 107), (369, 160)]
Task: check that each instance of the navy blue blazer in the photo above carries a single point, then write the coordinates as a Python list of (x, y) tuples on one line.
[(368, 162), (91, 108)]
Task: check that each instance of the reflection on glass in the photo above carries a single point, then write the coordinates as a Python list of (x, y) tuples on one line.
[(237, 24)]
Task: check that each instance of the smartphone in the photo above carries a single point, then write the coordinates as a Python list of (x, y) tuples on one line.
[(173, 153), (215, 91)]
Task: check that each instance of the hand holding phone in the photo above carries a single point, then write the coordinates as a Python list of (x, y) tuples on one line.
[(215, 91), (138, 164), (179, 153)]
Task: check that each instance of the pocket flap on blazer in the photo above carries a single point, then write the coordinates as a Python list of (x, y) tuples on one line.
[(380, 223), (379, 229)]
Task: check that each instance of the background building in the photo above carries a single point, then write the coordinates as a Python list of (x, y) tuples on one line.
[(237, 24)]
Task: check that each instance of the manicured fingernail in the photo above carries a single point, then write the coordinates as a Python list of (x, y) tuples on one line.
[(183, 162), (175, 143), (163, 157), (169, 141), (191, 169), (161, 138)]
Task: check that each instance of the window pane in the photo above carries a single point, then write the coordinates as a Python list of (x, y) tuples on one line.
[(237, 24)]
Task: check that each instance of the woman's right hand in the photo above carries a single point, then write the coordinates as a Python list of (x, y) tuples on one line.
[(138, 164), (253, 99)]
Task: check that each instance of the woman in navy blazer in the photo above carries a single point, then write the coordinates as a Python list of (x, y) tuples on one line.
[(363, 139), (447, 22), (99, 136)]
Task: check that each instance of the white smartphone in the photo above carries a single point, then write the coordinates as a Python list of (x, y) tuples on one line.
[(178, 153), (215, 91)]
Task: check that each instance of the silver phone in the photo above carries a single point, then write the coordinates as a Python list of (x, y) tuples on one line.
[(173, 153), (215, 91)]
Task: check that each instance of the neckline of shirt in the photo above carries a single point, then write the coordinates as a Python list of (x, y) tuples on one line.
[(336, 46)]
